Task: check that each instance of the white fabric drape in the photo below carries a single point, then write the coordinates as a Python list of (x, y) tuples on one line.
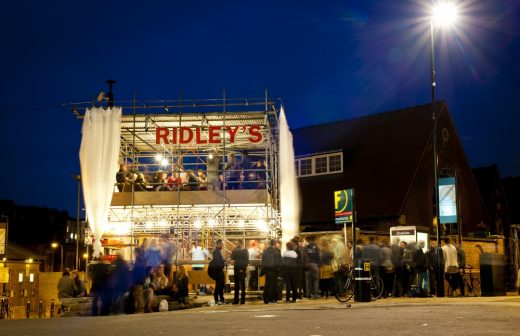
[(289, 193), (98, 157)]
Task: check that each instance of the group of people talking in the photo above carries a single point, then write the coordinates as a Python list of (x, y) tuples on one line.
[(236, 172)]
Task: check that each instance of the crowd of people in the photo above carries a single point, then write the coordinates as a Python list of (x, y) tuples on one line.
[(307, 268), (233, 173), (408, 269)]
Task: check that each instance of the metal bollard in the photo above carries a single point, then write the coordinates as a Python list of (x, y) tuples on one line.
[(40, 309), (52, 308), (28, 309)]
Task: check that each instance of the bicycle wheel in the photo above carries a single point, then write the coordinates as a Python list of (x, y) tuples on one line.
[(345, 293), (377, 287)]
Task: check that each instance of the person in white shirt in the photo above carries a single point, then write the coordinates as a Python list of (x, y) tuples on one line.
[(451, 266), (199, 253), (252, 271)]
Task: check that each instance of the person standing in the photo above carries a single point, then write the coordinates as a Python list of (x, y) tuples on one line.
[(213, 170), (240, 257), (300, 265), (326, 274), (271, 263), (290, 263), (451, 266), (397, 257), (198, 253), (312, 274), (218, 264), (435, 273), (387, 269), (461, 260), (373, 253), (406, 267), (254, 254), (232, 172), (99, 275), (420, 262), (138, 279)]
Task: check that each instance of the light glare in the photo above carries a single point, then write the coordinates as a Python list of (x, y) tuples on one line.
[(444, 14)]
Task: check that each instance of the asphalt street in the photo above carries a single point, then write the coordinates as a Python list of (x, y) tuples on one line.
[(434, 316)]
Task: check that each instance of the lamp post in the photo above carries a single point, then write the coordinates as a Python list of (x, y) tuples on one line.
[(443, 15), (78, 235), (55, 245)]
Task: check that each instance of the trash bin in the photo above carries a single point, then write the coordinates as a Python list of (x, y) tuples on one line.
[(492, 274), (362, 281)]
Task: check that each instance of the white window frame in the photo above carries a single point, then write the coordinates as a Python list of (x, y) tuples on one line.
[(313, 164)]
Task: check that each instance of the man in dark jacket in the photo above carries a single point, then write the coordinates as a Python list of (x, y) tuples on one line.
[(271, 263), (299, 271), (240, 257), (99, 275), (219, 264), (312, 274), (373, 252), (420, 262), (436, 273), (66, 286)]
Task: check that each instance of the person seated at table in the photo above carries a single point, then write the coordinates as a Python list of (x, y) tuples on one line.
[(160, 282), (121, 178), (261, 174), (148, 292), (180, 285), (80, 285), (66, 286), (160, 181), (140, 183), (202, 180), (174, 182), (191, 181)]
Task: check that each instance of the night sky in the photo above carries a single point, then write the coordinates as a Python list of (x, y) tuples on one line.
[(327, 60)]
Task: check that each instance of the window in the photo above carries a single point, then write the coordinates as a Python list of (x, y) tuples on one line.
[(20, 277), (335, 163), (306, 167), (321, 165), (31, 277)]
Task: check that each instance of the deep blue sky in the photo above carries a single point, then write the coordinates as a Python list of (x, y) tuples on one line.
[(327, 60)]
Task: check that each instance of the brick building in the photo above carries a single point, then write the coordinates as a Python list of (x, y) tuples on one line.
[(387, 159)]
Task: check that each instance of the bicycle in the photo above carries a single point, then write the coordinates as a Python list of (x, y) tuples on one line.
[(345, 292), (472, 284), (377, 286), (6, 308)]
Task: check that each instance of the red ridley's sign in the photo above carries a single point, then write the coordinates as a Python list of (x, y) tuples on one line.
[(185, 135)]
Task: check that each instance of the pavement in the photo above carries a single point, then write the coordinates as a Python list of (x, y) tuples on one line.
[(395, 316)]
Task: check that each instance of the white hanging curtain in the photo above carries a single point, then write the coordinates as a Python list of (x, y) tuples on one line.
[(98, 157), (289, 193)]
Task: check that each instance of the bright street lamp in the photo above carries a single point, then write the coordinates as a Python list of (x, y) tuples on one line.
[(55, 245), (444, 14)]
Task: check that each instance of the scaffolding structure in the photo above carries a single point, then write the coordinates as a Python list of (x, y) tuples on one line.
[(180, 137)]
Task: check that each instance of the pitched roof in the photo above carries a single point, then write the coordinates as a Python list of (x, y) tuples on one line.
[(382, 153)]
